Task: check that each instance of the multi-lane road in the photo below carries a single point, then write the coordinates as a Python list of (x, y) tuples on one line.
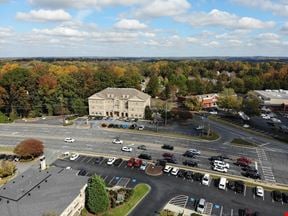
[(271, 155)]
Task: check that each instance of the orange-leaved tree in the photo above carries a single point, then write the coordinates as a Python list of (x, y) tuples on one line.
[(29, 148)]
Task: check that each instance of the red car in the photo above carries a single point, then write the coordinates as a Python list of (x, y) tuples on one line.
[(245, 160), (131, 162), (167, 155)]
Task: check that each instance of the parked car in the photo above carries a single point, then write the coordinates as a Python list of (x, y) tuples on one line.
[(141, 127), (206, 179), (111, 161), (190, 163), (142, 147), (252, 174), (98, 160), (189, 154), (276, 120), (167, 169), (285, 197), (168, 147), (246, 126), (117, 141), (259, 191), (189, 175), (221, 164), (175, 171), (194, 151), (239, 186), (118, 161), (82, 172), (143, 165), (69, 140), (220, 169), (130, 162), (231, 185), (145, 156), (181, 173), (200, 206), (198, 177), (222, 183), (170, 160), (167, 155), (74, 156), (126, 149), (277, 196)]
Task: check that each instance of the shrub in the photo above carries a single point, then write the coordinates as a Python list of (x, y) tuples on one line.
[(29, 148), (97, 199), (103, 125), (7, 168)]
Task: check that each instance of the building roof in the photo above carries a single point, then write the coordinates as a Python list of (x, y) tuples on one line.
[(121, 93), (36, 192), (273, 94), (207, 96)]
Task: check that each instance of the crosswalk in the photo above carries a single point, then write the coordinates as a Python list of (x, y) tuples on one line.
[(180, 201), (265, 165)]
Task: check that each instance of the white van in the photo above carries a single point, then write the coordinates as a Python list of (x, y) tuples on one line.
[(222, 183)]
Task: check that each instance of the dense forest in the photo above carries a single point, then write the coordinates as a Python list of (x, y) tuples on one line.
[(35, 88)]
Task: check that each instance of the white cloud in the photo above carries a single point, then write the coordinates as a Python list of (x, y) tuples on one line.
[(268, 37), (276, 7), (284, 28), (44, 15), (157, 8), (192, 39), (81, 4), (130, 24), (61, 32), (212, 44), (5, 32), (222, 18)]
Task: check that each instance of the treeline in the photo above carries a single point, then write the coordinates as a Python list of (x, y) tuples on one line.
[(38, 88)]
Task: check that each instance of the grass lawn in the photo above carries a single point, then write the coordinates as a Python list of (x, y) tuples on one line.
[(140, 191), (241, 142), (212, 136), (6, 149)]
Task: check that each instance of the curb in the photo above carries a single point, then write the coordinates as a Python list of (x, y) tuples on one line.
[(149, 189)]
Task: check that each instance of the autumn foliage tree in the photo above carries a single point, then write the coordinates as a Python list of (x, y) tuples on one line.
[(29, 148)]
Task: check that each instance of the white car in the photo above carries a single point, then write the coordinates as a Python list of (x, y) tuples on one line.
[(201, 206), (167, 169), (117, 141), (220, 169), (126, 149), (264, 116), (213, 112), (143, 165), (141, 127), (221, 164), (69, 140), (66, 154), (68, 168), (74, 156), (111, 160), (206, 179), (246, 126), (276, 120), (194, 151), (175, 171), (259, 191)]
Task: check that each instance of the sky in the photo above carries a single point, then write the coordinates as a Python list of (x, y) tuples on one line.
[(143, 28)]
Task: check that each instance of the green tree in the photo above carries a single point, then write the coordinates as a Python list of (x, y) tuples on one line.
[(97, 199), (229, 100), (153, 86), (251, 104), (148, 113), (193, 104)]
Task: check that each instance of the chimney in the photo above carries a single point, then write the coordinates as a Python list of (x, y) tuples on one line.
[(42, 162)]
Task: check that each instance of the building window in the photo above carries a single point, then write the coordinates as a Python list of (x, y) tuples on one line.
[(140, 116)]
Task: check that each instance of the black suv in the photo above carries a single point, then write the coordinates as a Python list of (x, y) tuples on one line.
[(277, 196), (252, 174), (142, 147), (145, 156), (168, 147), (82, 172), (190, 163), (198, 176), (181, 173), (117, 162), (98, 160), (231, 185), (170, 160), (189, 175), (239, 186), (285, 197)]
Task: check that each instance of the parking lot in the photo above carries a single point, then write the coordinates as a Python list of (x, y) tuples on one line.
[(219, 202)]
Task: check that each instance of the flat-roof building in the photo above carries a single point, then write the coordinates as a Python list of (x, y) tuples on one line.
[(274, 99), (36, 192)]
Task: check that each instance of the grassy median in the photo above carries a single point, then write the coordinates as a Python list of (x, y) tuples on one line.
[(139, 192)]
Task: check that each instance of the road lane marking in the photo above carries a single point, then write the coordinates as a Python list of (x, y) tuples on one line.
[(221, 211)]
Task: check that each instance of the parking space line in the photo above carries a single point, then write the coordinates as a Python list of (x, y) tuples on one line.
[(221, 211), (82, 159), (90, 160), (245, 190), (111, 180), (101, 161), (232, 212), (121, 163), (105, 178)]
